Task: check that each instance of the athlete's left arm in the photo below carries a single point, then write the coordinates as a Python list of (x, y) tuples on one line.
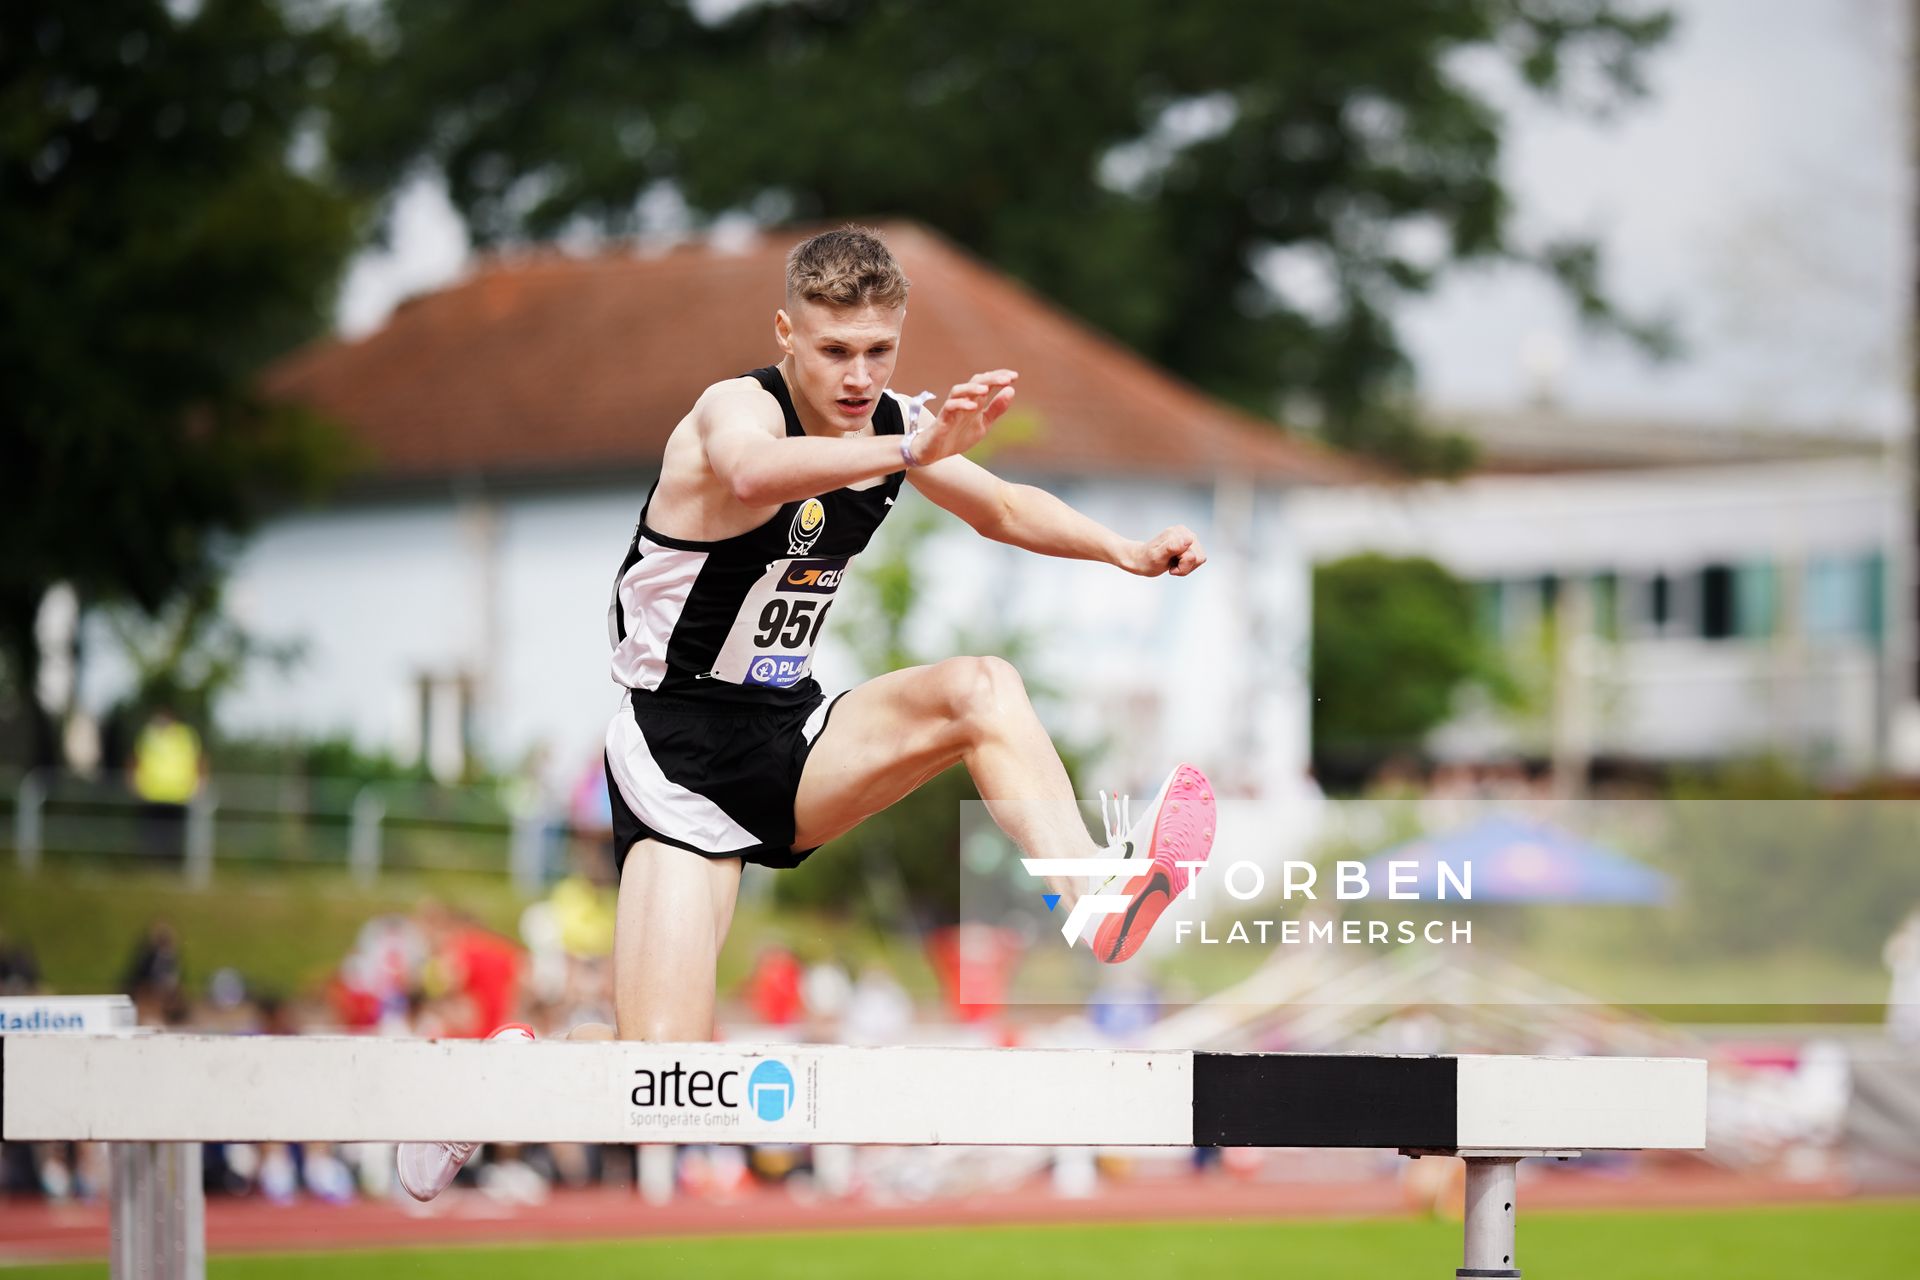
[(1033, 519)]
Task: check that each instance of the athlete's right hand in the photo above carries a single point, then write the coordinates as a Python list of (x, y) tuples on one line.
[(971, 407)]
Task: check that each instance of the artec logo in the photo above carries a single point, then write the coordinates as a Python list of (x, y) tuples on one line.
[(713, 1095)]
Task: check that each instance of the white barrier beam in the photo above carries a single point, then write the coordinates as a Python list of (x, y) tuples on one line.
[(334, 1089)]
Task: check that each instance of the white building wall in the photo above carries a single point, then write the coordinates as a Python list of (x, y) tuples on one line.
[(1646, 521), (375, 596)]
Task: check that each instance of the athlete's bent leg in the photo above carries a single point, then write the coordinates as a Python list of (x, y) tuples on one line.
[(891, 734)]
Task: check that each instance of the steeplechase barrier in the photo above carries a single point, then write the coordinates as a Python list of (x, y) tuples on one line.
[(157, 1094)]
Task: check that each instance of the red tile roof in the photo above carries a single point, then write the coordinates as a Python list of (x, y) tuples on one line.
[(546, 364)]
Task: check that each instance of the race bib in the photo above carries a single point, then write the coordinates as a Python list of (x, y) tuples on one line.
[(771, 640)]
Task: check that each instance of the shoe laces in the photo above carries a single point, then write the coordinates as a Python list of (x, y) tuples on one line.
[(1119, 820)]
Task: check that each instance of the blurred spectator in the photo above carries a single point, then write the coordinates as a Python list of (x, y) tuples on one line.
[(19, 970), (374, 982), (1123, 1007), (1902, 956), (879, 1010), (167, 771), (583, 906), (153, 975), (773, 988), (825, 989), (590, 806), (473, 973), (538, 798), (569, 933)]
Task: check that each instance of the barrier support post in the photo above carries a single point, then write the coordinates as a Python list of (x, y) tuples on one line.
[(1492, 1207), (159, 1211), (1489, 1221)]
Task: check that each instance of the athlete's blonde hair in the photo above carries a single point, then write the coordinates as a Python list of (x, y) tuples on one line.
[(846, 267)]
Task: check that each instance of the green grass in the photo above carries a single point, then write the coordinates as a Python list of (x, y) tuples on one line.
[(1863, 1241), (285, 929)]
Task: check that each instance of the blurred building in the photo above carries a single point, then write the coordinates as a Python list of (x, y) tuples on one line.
[(1730, 589), (452, 600)]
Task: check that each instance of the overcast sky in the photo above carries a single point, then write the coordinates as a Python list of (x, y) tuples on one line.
[(1761, 196)]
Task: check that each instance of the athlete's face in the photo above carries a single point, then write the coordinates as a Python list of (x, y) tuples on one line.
[(841, 357)]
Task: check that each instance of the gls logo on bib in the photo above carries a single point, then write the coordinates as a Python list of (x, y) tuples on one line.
[(808, 524)]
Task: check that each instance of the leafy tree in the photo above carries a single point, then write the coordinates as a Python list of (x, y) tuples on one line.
[(163, 231), (1145, 163), (1394, 640), (191, 654)]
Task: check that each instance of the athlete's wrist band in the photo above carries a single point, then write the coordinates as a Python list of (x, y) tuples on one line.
[(916, 408)]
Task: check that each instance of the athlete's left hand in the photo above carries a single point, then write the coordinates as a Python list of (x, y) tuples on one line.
[(1175, 551)]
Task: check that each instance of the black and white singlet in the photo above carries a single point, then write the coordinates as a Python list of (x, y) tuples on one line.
[(714, 643), (738, 619)]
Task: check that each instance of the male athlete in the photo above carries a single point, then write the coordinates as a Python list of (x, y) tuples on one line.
[(725, 751)]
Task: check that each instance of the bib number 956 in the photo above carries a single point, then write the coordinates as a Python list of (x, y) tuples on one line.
[(792, 624)]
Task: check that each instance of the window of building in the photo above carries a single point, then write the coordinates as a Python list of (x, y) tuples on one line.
[(1659, 602), (1605, 593), (1876, 586), (1756, 601), (1717, 614), (1844, 598), (1489, 603)]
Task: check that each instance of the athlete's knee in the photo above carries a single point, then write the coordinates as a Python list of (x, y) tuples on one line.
[(980, 691)]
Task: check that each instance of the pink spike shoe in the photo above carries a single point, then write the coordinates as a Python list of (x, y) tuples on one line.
[(1177, 828)]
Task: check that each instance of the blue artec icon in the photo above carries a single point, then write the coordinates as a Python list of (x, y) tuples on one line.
[(770, 1090)]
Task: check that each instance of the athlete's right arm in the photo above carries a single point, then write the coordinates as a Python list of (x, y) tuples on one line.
[(742, 431)]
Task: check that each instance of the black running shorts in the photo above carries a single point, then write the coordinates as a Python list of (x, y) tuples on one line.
[(716, 778)]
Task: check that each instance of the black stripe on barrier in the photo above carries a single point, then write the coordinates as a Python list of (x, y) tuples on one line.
[(3, 1088), (1324, 1100)]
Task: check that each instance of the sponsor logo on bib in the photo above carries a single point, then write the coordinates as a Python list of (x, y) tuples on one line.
[(777, 670), (819, 576)]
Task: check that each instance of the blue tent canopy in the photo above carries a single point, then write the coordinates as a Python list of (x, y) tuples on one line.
[(1516, 860)]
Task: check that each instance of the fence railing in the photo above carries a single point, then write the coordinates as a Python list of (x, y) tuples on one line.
[(362, 827)]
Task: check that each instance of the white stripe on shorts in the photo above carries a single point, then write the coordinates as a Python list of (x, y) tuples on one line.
[(817, 719), (662, 803)]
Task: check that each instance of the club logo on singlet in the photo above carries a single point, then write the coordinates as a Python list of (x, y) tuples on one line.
[(808, 523)]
